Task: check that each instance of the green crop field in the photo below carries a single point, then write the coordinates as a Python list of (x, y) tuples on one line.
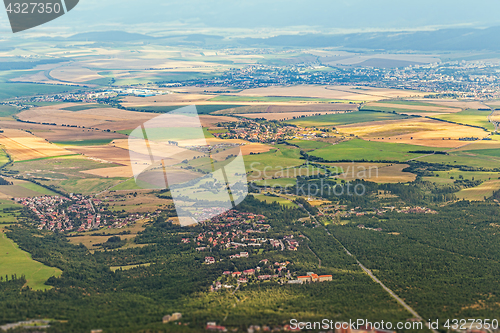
[(273, 161), (280, 182), (13, 260), (358, 150), (95, 142), (471, 158), (486, 152), (37, 188), (470, 175), (270, 199), (86, 186), (469, 117), (7, 110), (10, 90), (129, 184), (345, 118), (4, 159)]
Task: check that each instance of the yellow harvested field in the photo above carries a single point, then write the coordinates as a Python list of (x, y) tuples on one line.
[(102, 118), (330, 92), (104, 154), (486, 189), (423, 132), (121, 171), (416, 107), (374, 172), (22, 146), (496, 116), (255, 148)]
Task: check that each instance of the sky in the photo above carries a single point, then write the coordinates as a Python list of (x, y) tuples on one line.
[(269, 16)]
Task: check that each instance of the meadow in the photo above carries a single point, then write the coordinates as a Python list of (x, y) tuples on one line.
[(361, 150), (15, 261), (271, 199), (280, 158), (344, 118), (481, 192), (471, 158)]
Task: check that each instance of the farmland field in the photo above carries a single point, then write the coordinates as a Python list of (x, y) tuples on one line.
[(408, 106), (94, 142), (21, 146), (271, 199), (86, 186), (471, 158), (357, 150), (416, 131), (481, 192), (7, 110), (280, 158), (273, 99), (345, 118), (470, 117), (16, 261), (308, 145)]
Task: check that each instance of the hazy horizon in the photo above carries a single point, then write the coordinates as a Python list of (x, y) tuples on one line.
[(268, 17)]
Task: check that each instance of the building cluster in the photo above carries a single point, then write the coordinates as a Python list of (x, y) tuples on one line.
[(265, 271), (256, 131), (312, 277), (74, 213), (465, 79), (232, 230), (333, 211)]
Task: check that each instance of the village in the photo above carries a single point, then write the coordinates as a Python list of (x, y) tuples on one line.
[(76, 213)]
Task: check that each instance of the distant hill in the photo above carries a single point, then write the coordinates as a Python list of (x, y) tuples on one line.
[(438, 40), (110, 36)]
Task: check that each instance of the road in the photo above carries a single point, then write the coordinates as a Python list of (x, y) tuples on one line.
[(373, 277)]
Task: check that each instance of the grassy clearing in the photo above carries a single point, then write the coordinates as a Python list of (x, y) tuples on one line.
[(469, 117), (127, 267), (469, 175), (269, 199), (345, 118), (8, 217), (13, 260), (481, 192), (358, 149), (280, 182)]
